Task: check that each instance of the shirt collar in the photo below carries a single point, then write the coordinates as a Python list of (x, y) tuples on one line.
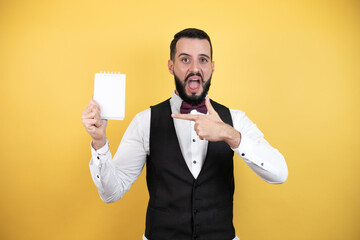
[(175, 102)]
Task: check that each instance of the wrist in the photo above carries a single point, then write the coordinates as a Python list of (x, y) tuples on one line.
[(98, 143), (231, 136)]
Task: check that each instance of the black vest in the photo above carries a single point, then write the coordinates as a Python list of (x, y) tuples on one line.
[(180, 206)]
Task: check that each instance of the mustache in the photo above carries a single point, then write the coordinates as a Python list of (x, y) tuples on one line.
[(194, 74)]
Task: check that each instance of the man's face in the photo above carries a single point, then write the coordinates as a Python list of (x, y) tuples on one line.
[(192, 69)]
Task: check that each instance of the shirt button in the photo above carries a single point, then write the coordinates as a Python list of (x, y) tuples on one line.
[(194, 140), (98, 157), (97, 176), (262, 164), (194, 161), (243, 154), (196, 211)]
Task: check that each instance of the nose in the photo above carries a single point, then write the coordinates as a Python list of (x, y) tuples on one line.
[(195, 67)]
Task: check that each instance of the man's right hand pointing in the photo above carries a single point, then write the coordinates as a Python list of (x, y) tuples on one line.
[(210, 127)]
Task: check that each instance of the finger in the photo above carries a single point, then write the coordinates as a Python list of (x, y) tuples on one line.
[(85, 112), (91, 106), (88, 115), (89, 123), (185, 116), (98, 123), (94, 108), (196, 127), (87, 109), (209, 107), (93, 103), (97, 115), (91, 109)]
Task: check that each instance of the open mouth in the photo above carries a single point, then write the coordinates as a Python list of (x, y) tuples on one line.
[(194, 83)]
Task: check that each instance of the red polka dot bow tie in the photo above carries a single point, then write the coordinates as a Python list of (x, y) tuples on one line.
[(186, 107)]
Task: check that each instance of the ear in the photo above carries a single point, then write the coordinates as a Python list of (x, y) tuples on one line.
[(171, 66), (213, 66)]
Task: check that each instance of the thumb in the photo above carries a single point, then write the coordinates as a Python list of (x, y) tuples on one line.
[(208, 105)]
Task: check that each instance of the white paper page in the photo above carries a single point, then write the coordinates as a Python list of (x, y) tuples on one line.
[(109, 93)]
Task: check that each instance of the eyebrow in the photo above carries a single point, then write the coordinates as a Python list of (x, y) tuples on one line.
[(185, 54), (204, 55)]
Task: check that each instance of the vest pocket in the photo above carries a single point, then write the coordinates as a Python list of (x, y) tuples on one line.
[(161, 224), (219, 217)]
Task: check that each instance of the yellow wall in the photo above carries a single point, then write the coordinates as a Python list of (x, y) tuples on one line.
[(292, 66)]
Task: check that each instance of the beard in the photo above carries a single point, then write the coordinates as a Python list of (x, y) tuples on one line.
[(192, 99)]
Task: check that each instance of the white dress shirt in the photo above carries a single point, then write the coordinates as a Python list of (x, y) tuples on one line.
[(113, 177)]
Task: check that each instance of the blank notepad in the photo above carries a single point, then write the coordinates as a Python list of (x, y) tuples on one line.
[(109, 93)]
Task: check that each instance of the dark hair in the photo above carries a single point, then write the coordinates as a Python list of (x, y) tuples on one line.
[(188, 33)]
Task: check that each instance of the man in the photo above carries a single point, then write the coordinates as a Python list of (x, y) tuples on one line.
[(188, 143)]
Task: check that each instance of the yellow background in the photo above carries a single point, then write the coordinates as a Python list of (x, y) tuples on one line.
[(292, 66)]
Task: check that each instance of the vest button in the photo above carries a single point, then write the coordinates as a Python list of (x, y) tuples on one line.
[(196, 211)]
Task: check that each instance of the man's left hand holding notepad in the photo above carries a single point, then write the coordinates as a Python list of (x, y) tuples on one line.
[(109, 93)]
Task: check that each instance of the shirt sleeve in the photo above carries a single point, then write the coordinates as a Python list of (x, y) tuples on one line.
[(113, 177), (267, 162)]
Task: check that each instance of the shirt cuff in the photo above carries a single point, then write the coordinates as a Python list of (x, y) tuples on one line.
[(245, 150), (98, 155), (244, 147)]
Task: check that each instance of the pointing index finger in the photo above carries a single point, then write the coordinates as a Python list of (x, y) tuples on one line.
[(185, 116)]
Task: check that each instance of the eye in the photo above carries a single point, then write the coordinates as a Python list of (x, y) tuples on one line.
[(185, 60), (203, 60)]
